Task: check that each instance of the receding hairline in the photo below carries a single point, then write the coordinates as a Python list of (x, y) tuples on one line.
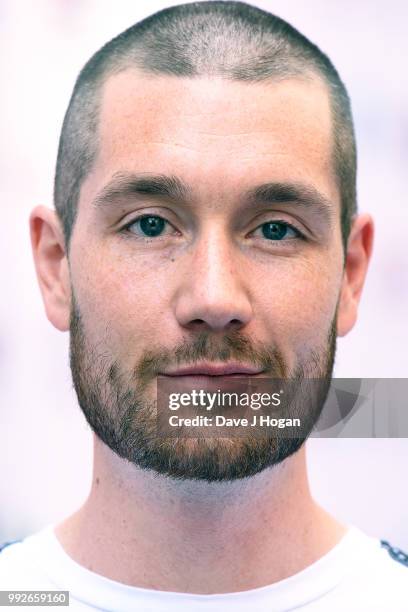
[(309, 76)]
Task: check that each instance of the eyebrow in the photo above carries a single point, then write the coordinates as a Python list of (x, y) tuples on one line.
[(305, 195), (124, 185), (164, 187)]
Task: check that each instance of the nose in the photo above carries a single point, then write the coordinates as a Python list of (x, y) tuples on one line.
[(213, 295)]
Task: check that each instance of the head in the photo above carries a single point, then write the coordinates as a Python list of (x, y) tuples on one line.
[(205, 212)]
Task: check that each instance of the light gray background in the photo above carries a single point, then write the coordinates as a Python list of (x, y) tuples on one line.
[(45, 450)]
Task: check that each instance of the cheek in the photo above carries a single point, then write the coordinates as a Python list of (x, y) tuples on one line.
[(299, 302), (120, 300)]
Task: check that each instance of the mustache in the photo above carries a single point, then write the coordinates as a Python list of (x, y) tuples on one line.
[(204, 348)]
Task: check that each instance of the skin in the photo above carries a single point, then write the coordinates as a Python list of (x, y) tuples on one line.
[(213, 272)]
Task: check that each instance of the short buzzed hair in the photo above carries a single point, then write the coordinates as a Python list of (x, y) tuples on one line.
[(231, 40)]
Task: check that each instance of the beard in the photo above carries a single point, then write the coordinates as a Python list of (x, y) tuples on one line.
[(117, 408)]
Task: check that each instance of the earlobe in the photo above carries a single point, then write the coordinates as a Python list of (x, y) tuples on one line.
[(51, 264), (359, 249)]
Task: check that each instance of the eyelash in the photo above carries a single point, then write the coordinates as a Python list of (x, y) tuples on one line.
[(126, 229)]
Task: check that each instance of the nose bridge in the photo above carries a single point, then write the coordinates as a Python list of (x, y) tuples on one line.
[(216, 263), (214, 292)]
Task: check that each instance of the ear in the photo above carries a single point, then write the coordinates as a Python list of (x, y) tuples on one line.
[(359, 248), (51, 264)]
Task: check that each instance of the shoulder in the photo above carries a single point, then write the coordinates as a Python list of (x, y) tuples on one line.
[(5, 544), (395, 553), (378, 555), (381, 577), (19, 569), (392, 563), (392, 571)]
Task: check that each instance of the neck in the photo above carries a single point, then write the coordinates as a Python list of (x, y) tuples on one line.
[(150, 531)]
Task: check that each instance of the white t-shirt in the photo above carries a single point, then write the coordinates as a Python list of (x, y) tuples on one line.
[(357, 575)]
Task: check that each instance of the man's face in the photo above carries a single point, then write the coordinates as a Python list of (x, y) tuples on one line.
[(214, 275)]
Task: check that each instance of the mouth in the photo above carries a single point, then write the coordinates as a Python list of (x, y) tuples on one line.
[(209, 376), (207, 369)]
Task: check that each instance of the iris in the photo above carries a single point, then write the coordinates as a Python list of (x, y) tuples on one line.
[(152, 226), (275, 230)]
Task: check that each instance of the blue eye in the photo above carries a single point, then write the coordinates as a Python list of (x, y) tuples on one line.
[(153, 226), (150, 226), (278, 230)]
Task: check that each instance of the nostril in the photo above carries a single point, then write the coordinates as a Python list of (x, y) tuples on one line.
[(197, 324), (235, 324)]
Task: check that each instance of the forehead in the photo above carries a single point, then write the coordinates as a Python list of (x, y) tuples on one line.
[(215, 133)]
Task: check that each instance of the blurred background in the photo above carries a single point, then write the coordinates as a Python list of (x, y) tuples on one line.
[(45, 448)]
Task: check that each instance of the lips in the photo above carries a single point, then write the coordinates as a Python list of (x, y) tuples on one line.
[(212, 369)]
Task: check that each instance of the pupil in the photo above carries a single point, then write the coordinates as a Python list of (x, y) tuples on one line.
[(274, 231), (152, 226)]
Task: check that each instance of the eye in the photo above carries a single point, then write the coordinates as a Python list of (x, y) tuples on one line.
[(278, 231), (148, 226)]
